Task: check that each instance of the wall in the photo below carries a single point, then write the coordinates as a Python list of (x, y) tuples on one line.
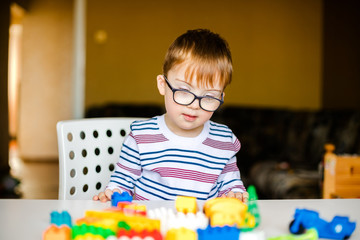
[(341, 55), (45, 92), (276, 47)]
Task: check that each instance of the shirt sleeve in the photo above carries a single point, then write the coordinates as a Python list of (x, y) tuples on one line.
[(128, 168), (230, 179)]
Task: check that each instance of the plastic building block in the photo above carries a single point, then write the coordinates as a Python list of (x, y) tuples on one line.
[(59, 219), (186, 204), (233, 212), (131, 208), (226, 212), (155, 235), (82, 230), (310, 234), (339, 228), (171, 219), (180, 234), (120, 197), (57, 233), (124, 225), (89, 236), (215, 233), (253, 208), (107, 223)]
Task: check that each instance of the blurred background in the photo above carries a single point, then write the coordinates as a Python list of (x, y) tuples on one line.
[(293, 60)]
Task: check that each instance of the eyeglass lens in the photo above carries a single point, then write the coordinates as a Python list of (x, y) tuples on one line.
[(186, 98)]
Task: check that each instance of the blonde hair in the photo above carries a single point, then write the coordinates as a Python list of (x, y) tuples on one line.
[(206, 55)]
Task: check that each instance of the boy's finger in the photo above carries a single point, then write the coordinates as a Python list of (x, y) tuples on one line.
[(231, 194), (108, 194), (238, 195), (102, 197), (245, 197)]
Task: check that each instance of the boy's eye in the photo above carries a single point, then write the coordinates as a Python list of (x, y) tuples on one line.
[(184, 88), (214, 95)]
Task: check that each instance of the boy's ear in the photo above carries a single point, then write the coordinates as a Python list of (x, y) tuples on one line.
[(161, 84)]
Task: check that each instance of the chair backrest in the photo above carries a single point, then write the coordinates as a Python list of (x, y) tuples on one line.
[(88, 151)]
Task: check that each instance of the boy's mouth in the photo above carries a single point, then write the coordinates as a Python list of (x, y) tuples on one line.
[(189, 118)]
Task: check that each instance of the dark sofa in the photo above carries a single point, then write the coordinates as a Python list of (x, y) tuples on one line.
[(282, 149)]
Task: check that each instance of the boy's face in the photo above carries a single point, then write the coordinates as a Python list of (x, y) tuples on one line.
[(186, 121)]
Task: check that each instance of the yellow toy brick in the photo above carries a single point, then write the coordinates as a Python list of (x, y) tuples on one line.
[(226, 211), (57, 233), (88, 236), (220, 219), (186, 204), (180, 234)]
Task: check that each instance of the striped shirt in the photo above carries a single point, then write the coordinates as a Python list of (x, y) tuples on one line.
[(156, 164)]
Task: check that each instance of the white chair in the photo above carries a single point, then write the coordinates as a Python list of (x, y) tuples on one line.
[(88, 151)]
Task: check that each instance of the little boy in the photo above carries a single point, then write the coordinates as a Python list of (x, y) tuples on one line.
[(182, 152)]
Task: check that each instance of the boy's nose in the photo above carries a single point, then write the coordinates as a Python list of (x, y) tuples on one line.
[(195, 104)]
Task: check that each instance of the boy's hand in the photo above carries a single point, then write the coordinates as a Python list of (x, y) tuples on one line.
[(105, 196), (244, 196)]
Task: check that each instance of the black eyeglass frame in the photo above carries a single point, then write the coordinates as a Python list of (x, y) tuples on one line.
[(195, 96)]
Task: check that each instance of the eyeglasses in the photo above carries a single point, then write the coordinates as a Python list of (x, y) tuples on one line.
[(185, 98)]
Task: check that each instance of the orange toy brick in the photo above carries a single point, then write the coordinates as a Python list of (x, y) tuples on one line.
[(131, 208), (57, 233), (186, 204), (155, 234)]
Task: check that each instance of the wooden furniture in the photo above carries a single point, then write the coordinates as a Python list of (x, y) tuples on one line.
[(341, 175)]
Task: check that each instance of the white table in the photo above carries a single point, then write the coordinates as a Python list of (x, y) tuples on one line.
[(28, 219)]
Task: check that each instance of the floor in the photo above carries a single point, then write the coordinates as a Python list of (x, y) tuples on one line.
[(38, 179)]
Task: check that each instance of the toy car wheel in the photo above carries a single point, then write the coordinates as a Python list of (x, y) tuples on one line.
[(346, 237), (301, 229)]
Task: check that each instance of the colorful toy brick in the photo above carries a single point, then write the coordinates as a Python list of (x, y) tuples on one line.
[(253, 209), (186, 204), (226, 212), (59, 219), (79, 231), (310, 234), (120, 197), (180, 234), (89, 236), (131, 208), (215, 233), (123, 225), (171, 219), (155, 235), (99, 222), (233, 212), (55, 232)]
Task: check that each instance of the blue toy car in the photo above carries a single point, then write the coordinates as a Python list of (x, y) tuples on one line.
[(339, 227)]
